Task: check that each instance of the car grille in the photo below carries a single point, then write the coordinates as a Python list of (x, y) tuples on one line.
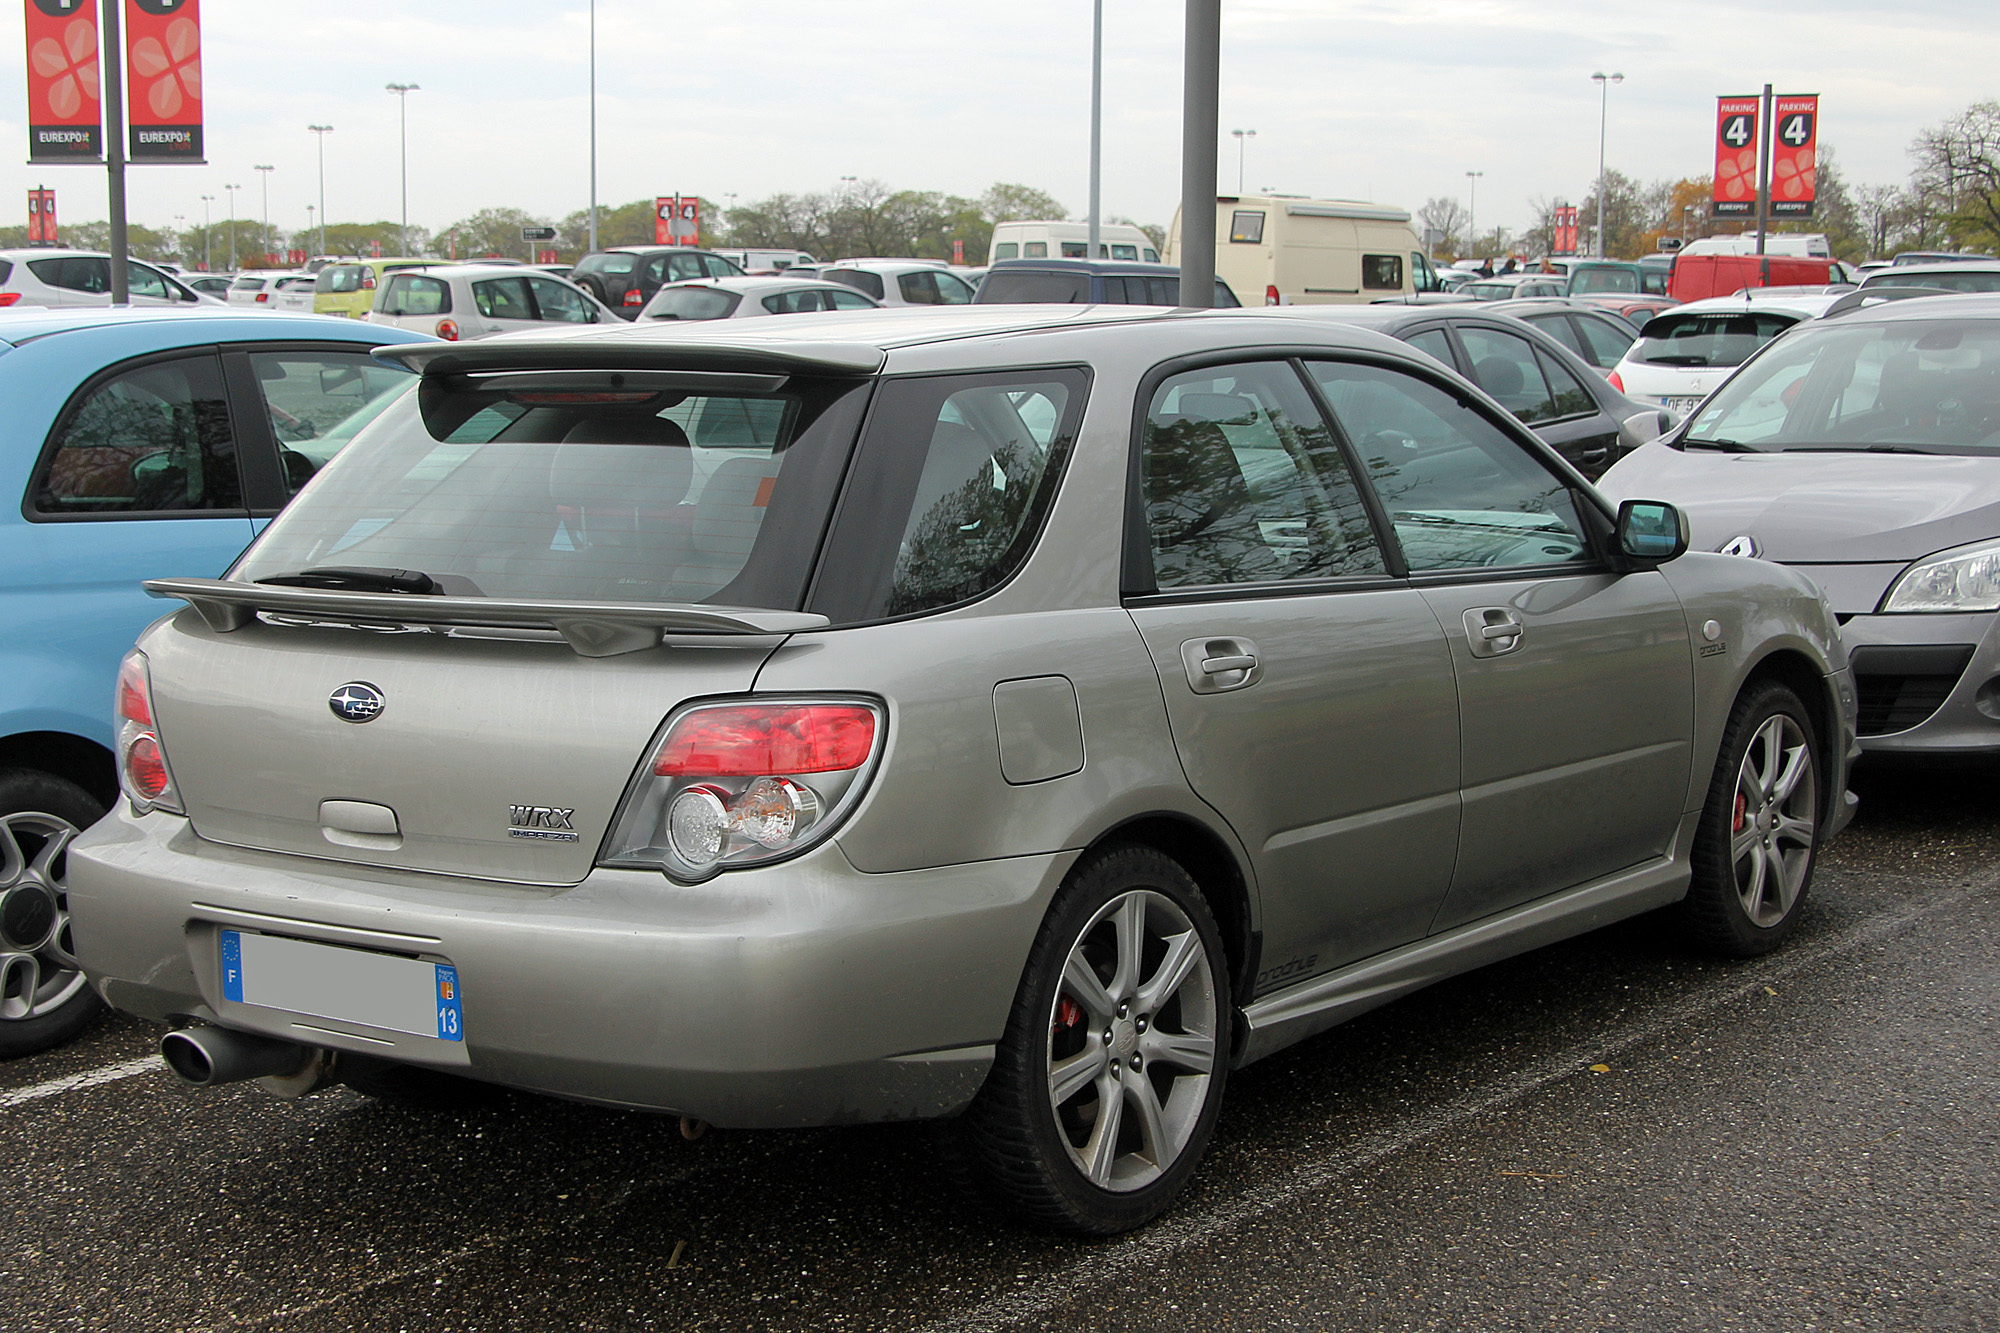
[(1901, 686)]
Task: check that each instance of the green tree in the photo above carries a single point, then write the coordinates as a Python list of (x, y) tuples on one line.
[(1006, 202), (490, 232), (1625, 218)]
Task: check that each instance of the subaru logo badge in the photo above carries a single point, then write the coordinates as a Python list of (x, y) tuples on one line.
[(356, 701), (1744, 545)]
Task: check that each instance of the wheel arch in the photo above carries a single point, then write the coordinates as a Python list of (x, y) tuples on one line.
[(1217, 870), (76, 758), (1800, 674)]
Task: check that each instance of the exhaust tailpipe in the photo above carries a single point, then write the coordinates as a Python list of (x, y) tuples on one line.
[(207, 1056)]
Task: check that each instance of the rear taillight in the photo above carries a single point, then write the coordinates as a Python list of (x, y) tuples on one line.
[(368, 283), (447, 330), (633, 298), (1271, 295), (142, 760), (8, 298), (263, 297), (1617, 382), (746, 783)]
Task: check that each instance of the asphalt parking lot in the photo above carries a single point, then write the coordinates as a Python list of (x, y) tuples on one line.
[(1612, 1133)]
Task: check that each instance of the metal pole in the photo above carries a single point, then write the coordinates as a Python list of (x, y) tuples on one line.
[(207, 236), (593, 124), (1604, 83), (320, 132), (403, 91), (232, 189), (1472, 210), (1096, 120), (1764, 169), (111, 70), (1200, 130), (264, 175), (1243, 138)]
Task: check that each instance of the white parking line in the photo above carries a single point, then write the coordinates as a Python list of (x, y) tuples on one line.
[(90, 1078), (1158, 1242)]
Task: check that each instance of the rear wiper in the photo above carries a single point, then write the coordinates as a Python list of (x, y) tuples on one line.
[(1671, 359), (355, 578), (1856, 449), (1726, 446)]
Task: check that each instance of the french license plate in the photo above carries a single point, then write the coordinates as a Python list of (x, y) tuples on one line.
[(351, 985), (1681, 404)]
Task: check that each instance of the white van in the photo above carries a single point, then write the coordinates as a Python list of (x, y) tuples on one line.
[(757, 260), (1069, 240), (1296, 251), (1805, 245)]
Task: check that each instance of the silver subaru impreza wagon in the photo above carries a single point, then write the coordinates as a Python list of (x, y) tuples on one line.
[(1020, 717)]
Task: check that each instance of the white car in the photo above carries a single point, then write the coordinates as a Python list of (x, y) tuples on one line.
[(739, 298), (901, 281), (294, 291), (1683, 354), (460, 302), (82, 278), (261, 289)]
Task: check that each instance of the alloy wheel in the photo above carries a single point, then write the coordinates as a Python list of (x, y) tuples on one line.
[(39, 972), (1776, 818)]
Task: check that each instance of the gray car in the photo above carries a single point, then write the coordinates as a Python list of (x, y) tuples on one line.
[(1022, 716), (1864, 451)]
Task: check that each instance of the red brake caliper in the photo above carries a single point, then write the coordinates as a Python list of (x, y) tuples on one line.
[(1068, 1014), (1742, 813)]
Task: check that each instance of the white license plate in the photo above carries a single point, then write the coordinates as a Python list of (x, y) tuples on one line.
[(352, 985), (1683, 405)]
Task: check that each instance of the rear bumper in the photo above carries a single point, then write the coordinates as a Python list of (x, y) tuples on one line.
[(1928, 684), (806, 993)]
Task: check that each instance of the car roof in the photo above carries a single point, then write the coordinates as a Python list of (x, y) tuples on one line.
[(1882, 277), (220, 323), (858, 342), (754, 283), (1942, 305), (1544, 305), (443, 270), (1084, 266), (1802, 305)]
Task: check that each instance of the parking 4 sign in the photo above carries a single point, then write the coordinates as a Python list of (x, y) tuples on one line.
[(1795, 155), (1736, 156)]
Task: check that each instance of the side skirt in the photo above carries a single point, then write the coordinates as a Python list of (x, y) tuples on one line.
[(1314, 1006)]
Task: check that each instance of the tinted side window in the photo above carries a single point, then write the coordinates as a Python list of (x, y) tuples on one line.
[(792, 303), (1571, 398), (847, 301), (1035, 250), (503, 298), (718, 267), (1382, 273), (952, 289), (151, 439), (561, 302), (919, 288), (1504, 365), (859, 279), (1026, 286), (1557, 327), (1075, 249), (1460, 493), (1007, 250), (143, 281), (1243, 483), (1435, 342), (1607, 343), (316, 401), (961, 468), (49, 272), (412, 294), (682, 268)]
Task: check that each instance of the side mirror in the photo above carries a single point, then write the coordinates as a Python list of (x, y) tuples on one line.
[(1652, 532)]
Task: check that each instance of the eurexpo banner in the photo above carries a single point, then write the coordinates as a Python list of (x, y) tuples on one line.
[(65, 119), (1736, 156), (1794, 155), (163, 79)]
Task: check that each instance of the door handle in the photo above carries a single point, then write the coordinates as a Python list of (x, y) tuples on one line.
[(1493, 630), (1215, 666)]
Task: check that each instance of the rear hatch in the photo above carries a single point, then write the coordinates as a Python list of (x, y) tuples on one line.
[(451, 652)]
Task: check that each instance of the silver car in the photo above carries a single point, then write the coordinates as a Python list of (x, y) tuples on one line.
[(1863, 450), (1020, 715)]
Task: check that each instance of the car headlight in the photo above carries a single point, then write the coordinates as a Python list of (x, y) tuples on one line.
[(1964, 579)]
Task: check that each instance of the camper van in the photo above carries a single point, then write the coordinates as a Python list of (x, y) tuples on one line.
[(1295, 251), (1807, 245), (1069, 240)]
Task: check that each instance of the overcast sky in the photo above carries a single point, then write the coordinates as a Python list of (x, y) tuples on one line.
[(1392, 100)]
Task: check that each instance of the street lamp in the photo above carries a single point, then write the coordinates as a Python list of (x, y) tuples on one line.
[(320, 132), (206, 200), (264, 184), (593, 124), (1241, 136), (1472, 209), (1603, 82), (1095, 229), (232, 224), (403, 91)]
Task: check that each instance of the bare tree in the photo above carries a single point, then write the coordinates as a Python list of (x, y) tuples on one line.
[(1443, 222), (1958, 173)]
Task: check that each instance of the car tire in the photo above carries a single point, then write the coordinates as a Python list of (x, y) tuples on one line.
[(44, 998), (1108, 1081), (1758, 838)]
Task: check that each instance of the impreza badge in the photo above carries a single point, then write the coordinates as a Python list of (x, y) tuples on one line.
[(544, 823)]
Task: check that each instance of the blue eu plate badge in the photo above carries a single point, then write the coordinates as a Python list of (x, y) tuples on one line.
[(378, 990)]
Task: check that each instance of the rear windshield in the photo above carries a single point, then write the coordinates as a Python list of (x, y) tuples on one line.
[(691, 303), (609, 263), (246, 284), (1707, 340), (339, 278), (1603, 280), (664, 497), (1946, 282), (1028, 287)]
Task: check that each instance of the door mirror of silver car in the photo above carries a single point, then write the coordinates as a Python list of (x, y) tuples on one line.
[(1651, 531)]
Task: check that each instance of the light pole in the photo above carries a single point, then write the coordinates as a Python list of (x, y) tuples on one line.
[(206, 237), (1241, 136), (593, 124), (1096, 123), (309, 219), (1603, 82), (320, 132), (232, 189), (1472, 209), (403, 91), (264, 184)]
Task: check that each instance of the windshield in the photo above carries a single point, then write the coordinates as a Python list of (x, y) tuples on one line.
[(691, 303), (1603, 280), (1924, 386), (591, 496), (1720, 339)]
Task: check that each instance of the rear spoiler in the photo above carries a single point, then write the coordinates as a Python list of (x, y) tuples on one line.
[(1862, 298), (592, 629)]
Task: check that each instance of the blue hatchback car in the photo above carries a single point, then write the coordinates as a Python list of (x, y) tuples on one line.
[(133, 443)]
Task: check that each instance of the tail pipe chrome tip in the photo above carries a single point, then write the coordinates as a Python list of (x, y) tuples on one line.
[(208, 1056)]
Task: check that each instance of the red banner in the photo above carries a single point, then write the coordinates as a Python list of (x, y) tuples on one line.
[(42, 217), (163, 79), (1794, 155), (1565, 238), (65, 120), (677, 220), (1736, 156)]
